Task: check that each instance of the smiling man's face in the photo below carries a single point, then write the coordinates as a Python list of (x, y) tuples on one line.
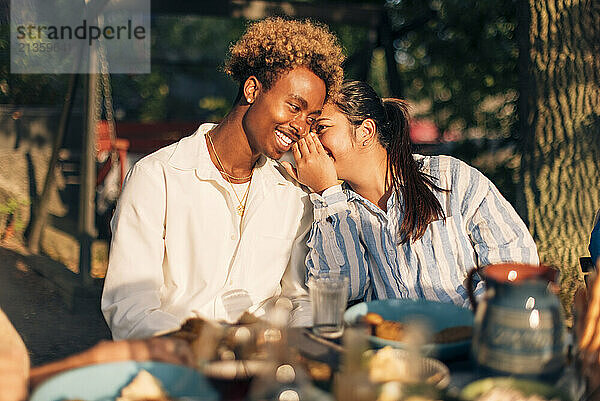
[(283, 114)]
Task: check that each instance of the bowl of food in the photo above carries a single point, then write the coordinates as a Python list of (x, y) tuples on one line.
[(509, 388), (129, 379), (450, 326)]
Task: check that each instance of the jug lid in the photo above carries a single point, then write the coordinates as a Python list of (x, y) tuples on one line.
[(519, 272)]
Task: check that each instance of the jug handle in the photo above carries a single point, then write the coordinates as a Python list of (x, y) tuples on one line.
[(470, 289)]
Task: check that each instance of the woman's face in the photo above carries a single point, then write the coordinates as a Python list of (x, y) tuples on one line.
[(337, 136)]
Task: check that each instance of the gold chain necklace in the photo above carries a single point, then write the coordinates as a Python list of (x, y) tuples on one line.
[(222, 170), (241, 208), (225, 173)]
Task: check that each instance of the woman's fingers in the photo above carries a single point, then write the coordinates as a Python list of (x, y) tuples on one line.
[(296, 152), (310, 141), (303, 147), (315, 169), (318, 145)]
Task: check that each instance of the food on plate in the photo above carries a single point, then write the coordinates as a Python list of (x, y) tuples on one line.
[(453, 334), (382, 328), (396, 331), (389, 330), (144, 387), (509, 394), (385, 366), (390, 364), (372, 319)]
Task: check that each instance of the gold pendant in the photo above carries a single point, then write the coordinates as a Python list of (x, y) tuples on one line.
[(240, 210)]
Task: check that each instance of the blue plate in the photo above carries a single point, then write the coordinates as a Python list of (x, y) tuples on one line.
[(105, 381), (436, 315)]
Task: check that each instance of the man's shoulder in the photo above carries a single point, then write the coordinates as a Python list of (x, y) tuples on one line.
[(157, 159), (183, 152)]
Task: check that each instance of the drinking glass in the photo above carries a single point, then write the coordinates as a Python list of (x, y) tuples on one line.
[(328, 296)]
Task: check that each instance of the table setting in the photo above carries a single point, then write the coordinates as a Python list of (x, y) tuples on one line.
[(512, 345)]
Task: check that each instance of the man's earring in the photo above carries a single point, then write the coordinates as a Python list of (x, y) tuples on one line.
[(365, 143)]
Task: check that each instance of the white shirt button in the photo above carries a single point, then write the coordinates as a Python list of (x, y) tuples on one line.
[(233, 237)]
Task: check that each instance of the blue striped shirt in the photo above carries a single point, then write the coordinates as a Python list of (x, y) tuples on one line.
[(352, 235)]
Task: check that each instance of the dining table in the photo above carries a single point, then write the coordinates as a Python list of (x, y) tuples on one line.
[(463, 369), (312, 347)]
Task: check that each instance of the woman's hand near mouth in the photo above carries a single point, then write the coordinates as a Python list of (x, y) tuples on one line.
[(314, 167)]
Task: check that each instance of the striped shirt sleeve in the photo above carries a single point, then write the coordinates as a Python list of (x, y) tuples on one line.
[(334, 243), (497, 232)]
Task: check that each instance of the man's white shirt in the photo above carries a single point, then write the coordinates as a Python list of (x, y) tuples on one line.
[(179, 250)]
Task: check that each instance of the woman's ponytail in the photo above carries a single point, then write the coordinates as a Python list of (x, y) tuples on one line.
[(421, 206), (358, 101)]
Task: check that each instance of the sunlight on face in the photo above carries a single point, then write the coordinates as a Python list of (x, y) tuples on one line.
[(283, 114), (337, 136)]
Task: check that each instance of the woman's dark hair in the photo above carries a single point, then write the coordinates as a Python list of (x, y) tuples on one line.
[(359, 101)]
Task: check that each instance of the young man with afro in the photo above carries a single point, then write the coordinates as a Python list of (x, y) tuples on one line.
[(212, 226)]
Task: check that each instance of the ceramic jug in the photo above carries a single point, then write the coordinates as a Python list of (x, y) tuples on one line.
[(519, 326)]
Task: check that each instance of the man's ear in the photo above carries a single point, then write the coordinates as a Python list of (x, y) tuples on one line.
[(251, 89), (366, 133)]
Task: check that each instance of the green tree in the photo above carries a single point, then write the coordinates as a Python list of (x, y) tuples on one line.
[(458, 59), (186, 82)]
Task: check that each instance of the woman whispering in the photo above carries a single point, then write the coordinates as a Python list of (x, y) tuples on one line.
[(401, 225)]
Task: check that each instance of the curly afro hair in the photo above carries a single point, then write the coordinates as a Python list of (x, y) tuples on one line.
[(275, 45)]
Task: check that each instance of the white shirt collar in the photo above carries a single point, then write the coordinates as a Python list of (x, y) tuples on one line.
[(191, 153)]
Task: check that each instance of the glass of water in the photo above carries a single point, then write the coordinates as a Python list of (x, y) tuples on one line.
[(328, 296)]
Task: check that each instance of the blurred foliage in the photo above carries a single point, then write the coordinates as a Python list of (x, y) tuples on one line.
[(187, 82), (187, 56), (13, 212), (457, 60), (496, 158), (38, 89)]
